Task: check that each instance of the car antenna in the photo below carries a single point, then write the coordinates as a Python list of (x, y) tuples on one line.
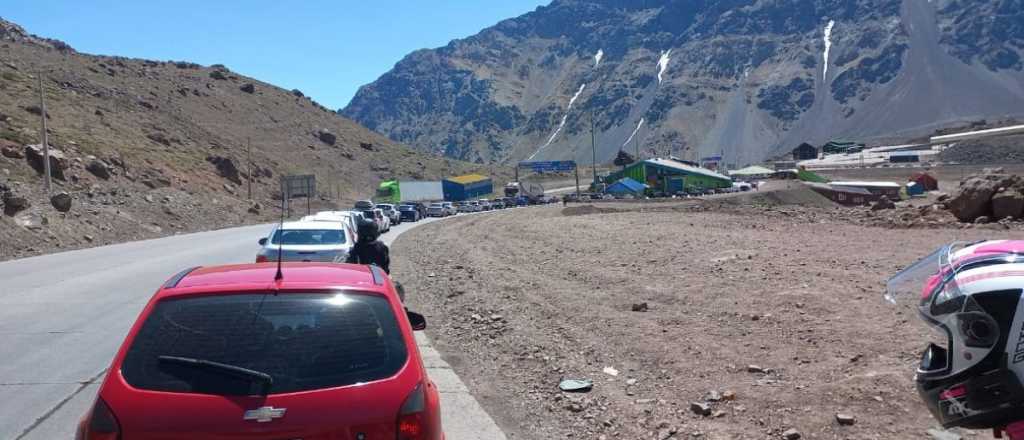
[(280, 275)]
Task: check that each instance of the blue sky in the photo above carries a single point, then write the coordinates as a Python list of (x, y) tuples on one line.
[(326, 48)]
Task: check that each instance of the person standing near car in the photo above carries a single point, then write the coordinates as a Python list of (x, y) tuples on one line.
[(368, 250)]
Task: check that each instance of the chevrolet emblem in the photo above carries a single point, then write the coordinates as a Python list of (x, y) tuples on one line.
[(264, 414)]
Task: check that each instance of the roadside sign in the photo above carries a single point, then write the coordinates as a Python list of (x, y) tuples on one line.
[(297, 186), (549, 166)]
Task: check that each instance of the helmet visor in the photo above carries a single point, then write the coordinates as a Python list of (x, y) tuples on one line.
[(916, 283)]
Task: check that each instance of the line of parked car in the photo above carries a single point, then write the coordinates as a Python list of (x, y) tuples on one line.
[(307, 350)]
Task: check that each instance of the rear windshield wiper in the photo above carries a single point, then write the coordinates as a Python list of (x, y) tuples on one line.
[(260, 377)]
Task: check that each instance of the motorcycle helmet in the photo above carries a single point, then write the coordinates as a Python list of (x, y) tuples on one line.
[(367, 230), (972, 375)]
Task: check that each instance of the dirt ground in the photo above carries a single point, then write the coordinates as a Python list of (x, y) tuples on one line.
[(521, 299)]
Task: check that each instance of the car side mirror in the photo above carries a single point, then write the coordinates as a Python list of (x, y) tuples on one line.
[(417, 320), (263, 241)]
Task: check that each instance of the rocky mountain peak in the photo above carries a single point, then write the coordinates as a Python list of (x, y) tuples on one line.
[(746, 79)]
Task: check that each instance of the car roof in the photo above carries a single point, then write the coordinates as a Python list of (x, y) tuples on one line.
[(311, 224), (260, 276)]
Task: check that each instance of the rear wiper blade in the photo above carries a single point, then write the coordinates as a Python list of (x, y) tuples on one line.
[(232, 370)]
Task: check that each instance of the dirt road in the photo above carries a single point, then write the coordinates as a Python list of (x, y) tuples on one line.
[(521, 299)]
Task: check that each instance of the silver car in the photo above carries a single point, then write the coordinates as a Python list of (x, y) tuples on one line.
[(436, 210), (450, 208), (316, 241)]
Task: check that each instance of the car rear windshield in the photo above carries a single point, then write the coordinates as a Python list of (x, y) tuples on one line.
[(303, 341), (308, 236), (406, 208)]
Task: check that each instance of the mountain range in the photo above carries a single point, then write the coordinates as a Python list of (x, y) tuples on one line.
[(744, 79)]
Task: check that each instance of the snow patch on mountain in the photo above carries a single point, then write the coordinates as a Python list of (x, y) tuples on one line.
[(598, 56), (828, 47), (565, 117), (635, 131), (663, 64)]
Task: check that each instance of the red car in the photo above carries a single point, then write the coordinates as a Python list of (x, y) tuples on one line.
[(326, 352)]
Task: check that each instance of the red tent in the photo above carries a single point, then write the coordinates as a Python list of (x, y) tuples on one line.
[(925, 180)]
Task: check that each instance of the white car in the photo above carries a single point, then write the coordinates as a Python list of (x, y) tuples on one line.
[(378, 217), (318, 241), (450, 208), (391, 211), (349, 218), (385, 218)]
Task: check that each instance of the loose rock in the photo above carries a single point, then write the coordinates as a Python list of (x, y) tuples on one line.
[(14, 203), (883, 203), (61, 201), (845, 419), (35, 155), (700, 408), (226, 168), (326, 137), (1009, 203), (640, 307), (791, 434), (99, 169)]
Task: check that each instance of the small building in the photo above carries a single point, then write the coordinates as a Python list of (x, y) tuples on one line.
[(805, 151), (927, 181), (626, 186), (841, 147), (781, 165), (849, 196), (888, 189), (904, 157), (671, 176), (457, 189), (752, 172)]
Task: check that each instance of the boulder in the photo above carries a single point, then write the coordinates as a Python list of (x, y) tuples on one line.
[(226, 168), (1009, 203), (58, 161), (61, 201), (326, 137), (256, 208), (14, 203), (883, 203), (248, 88), (973, 198), (99, 169), (11, 152), (366, 146)]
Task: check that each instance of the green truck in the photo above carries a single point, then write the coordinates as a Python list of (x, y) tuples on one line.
[(394, 191)]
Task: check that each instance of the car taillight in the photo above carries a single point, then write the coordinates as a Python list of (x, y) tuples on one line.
[(261, 259), (100, 424), (412, 417)]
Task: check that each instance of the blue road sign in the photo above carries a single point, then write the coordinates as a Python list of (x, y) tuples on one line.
[(549, 166)]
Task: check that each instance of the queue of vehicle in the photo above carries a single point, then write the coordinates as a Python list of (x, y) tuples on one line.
[(295, 345)]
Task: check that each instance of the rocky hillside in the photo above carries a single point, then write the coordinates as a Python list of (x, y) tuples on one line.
[(747, 79), (145, 148)]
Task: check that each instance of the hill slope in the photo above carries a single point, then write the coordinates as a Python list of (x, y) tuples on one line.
[(745, 78), (173, 136)]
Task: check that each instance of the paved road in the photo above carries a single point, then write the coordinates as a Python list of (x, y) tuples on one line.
[(62, 317)]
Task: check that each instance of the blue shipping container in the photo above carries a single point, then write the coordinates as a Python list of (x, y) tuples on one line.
[(457, 192)]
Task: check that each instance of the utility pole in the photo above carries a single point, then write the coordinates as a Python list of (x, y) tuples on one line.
[(43, 135), (593, 147), (248, 153)]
